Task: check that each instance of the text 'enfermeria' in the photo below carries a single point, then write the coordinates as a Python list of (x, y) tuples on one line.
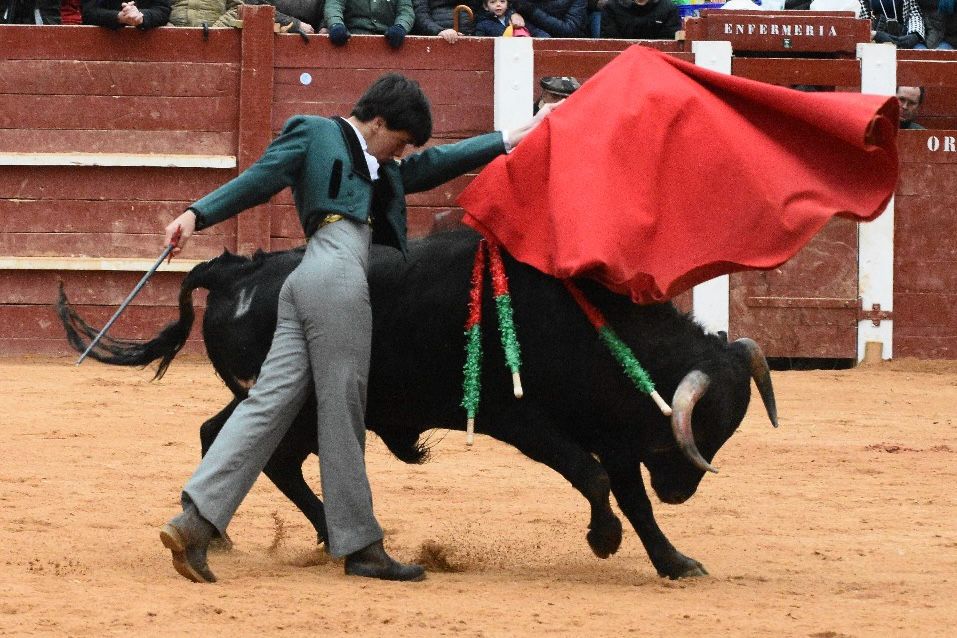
[(818, 30)]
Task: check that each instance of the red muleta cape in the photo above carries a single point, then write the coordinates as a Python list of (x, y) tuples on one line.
[(658, 175)]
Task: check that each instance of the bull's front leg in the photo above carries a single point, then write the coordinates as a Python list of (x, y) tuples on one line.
[(629, 490), (535, 438), (284, 469)]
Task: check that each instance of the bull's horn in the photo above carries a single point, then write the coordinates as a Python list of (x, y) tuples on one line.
[(761, 374), (691, 388)]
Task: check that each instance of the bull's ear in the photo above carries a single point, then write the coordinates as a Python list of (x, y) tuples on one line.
[(335, 179)]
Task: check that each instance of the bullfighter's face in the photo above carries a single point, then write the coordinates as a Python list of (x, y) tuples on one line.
[(384, 143)]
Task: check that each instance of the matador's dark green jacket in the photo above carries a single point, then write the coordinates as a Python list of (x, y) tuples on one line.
[(320, 159)]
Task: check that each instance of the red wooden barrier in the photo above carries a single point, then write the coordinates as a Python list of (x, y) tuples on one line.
[(119, 131), (831, 32), (925, 253)]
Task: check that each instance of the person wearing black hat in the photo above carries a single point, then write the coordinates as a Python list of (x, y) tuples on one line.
[(555, 89)]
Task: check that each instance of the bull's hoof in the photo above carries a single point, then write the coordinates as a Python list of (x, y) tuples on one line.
[(681, 566), (605, 539)]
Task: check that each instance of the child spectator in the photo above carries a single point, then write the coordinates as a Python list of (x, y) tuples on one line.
[(116, 14), (497, 18), (29, 11), (437, 17)]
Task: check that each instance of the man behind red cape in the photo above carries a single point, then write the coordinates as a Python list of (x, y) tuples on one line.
[(658, 175)]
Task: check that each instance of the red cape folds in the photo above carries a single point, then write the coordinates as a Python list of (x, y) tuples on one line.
[(658, 175)]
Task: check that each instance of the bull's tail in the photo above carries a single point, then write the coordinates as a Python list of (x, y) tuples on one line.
[(126, 352)]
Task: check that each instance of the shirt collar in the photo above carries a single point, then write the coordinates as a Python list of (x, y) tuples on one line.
[(371, 161)]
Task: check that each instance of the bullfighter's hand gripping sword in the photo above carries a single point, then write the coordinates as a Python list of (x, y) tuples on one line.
[(167, 253)]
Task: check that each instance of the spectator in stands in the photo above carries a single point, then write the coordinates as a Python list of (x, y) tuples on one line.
[(116, 14), (895, 21), (393, 19), (436, 17), (212, 13), (70, 12), (940, 24), (29, 11), (553, 18), (555, 89), (497, 18), (910, 98), (225, 13), (593, 17), (640, 19), (304, 16)]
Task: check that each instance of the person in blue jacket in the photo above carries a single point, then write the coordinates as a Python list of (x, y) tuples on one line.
[(553, 18)]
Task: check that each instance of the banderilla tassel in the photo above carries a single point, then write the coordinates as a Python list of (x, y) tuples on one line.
[(619, 349), (506, 321), (472, 383)]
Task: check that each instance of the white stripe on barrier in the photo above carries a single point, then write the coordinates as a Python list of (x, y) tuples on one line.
[(162, 160), (119, 264), (514, 77), (875, 253), (711, 300)]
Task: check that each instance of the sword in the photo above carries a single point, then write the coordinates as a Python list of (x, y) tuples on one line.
[(166, 253)]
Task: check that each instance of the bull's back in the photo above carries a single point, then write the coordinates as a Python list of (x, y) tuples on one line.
[(419, 313)]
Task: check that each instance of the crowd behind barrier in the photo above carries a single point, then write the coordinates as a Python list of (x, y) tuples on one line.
[(908, 24)]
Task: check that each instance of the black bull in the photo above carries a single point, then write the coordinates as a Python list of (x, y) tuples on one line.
[(580, 415)]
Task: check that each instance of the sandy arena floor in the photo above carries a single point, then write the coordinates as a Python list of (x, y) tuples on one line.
[(841, 523)]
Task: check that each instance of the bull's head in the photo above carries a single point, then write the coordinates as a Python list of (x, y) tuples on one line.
[(672, 479)]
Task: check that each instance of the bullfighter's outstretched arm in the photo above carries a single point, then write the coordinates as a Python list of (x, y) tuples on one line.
[(439, 164), (273, 171)]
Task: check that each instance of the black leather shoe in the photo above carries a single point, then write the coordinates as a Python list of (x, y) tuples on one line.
[(373, 562), (187, 536)]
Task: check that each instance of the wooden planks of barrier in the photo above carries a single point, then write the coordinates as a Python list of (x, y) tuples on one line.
[(925, 259), (28, 323), (105, 136), (832, 32), (808, 306)]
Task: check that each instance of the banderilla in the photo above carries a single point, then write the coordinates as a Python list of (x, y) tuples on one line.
[(149, 273)]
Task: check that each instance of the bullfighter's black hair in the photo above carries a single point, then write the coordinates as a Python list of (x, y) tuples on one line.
[(401, 103)]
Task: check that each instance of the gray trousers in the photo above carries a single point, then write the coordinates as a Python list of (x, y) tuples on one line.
[(323, 337)]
